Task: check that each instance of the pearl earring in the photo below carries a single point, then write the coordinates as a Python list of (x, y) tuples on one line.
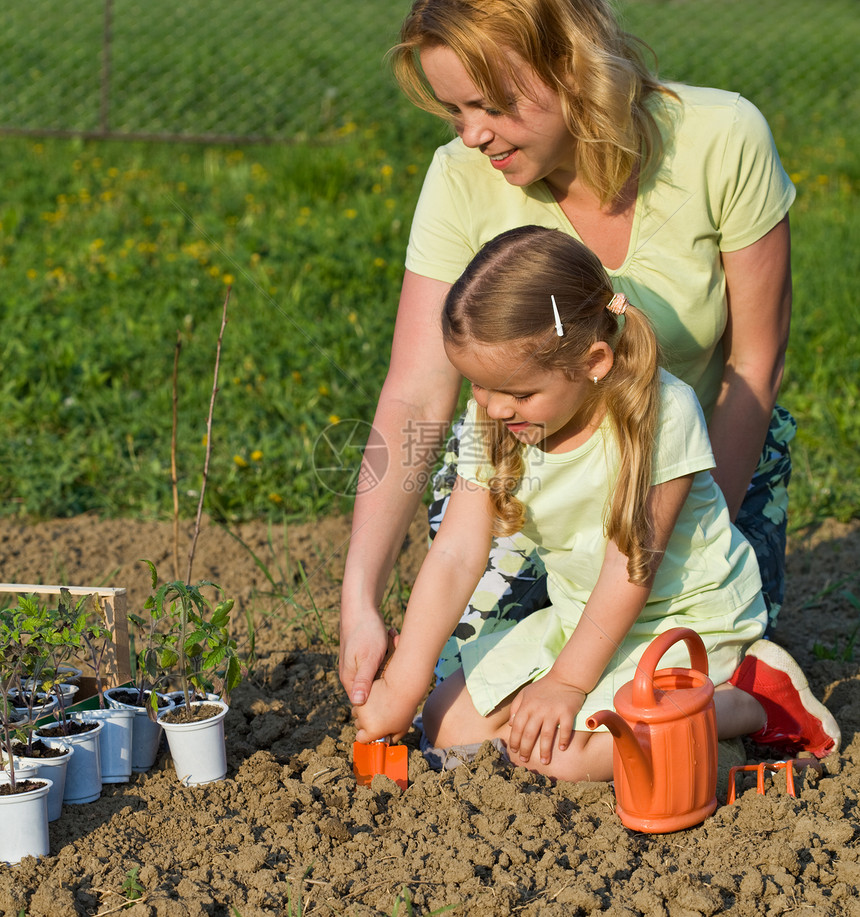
[(595, 380)]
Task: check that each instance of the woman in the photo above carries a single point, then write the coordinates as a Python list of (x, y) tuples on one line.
[(678, 190)]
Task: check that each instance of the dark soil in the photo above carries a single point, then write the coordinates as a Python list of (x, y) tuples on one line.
[(289, 832)]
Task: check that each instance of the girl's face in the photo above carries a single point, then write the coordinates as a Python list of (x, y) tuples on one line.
[(540, 407), (532, 144)]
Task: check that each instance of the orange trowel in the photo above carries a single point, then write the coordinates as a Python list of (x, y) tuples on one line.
[(381, 757)]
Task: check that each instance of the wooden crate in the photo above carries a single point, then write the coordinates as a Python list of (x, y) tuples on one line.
[(114, 605)]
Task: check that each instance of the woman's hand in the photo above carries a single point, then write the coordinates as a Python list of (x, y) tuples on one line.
[(362, 649), (543, 714)]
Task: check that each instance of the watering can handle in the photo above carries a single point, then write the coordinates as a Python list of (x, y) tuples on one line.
[(643, 683)]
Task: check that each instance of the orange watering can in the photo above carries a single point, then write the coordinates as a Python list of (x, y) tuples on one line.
[(665, 751)]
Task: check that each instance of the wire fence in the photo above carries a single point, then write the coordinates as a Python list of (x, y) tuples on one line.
[(273, 70), (301, 70)]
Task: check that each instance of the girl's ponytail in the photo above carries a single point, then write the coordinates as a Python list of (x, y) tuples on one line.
[(632, 396)]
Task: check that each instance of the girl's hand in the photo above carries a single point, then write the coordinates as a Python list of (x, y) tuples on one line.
[(543, 712), (387, 712)]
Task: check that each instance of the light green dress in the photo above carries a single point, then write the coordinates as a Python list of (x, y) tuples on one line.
[(708, 579)]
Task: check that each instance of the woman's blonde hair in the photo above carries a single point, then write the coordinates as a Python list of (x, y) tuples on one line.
[(503, 297), (575, 47)]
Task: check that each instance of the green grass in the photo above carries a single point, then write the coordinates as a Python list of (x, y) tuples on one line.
[(108, 249)]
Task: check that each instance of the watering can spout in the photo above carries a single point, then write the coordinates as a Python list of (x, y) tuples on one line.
[(637, 764)]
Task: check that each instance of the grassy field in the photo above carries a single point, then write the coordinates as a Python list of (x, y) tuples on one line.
[(109, 249)]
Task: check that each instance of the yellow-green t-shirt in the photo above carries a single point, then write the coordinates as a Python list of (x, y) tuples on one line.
[(719, 187)]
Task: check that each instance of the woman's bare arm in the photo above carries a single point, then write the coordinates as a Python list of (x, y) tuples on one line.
[(415, 407)]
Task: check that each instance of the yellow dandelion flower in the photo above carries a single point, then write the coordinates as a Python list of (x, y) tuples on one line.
[(333, 418), (297, 376), (377, 188), (32, 274), (352, 318), (411, 169), (228, 279), (276, 498), (379, 262), (350, 214), (387, 170), (214, 271), (240, 461), (257, 455), (324, 389)]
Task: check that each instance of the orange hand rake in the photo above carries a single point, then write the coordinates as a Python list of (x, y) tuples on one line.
[(381, 757), (766, 767)]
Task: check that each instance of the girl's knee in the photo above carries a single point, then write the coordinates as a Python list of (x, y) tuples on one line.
[(439, 703)]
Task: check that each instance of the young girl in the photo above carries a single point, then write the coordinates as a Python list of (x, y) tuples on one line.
[(577, 438)]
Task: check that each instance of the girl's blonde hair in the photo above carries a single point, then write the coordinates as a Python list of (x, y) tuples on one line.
[(575, 47), (504, 297)]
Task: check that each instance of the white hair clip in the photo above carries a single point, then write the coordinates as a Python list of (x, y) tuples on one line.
[(618, 304), (559, 330)]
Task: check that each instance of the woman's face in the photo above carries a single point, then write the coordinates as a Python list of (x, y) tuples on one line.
[(531, 144)]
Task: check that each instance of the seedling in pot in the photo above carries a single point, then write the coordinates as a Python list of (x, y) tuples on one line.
[(29, 697), (69, 632), (23, 634), (194, 643), (12, 653), (93, 636)]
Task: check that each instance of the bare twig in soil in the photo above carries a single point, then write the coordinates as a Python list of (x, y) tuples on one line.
[(174, 480), (208, 438), (121, 907)]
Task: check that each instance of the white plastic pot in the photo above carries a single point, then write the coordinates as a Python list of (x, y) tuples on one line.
[(146, 733), (198, 748), (53, 769), (84, 771), (115, 742), (24, 817), (44, 706)]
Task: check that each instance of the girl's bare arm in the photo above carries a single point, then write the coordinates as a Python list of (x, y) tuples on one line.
[(443, 587)]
